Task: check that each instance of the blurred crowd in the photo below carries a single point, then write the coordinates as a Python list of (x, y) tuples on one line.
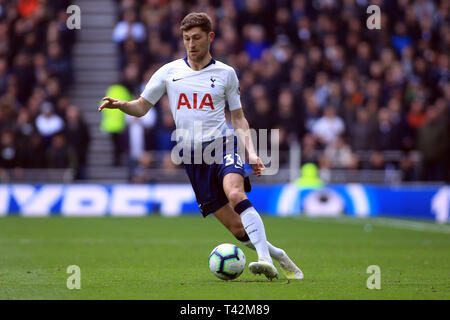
[(313, 70), (347, 94), (39, 127)]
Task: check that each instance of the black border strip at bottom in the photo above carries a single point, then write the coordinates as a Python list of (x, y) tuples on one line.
[(222, 309)]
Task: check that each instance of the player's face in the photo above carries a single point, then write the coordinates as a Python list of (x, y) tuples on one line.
[(197, 43)]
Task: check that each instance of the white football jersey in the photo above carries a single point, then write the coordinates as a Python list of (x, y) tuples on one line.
[(196, 97)]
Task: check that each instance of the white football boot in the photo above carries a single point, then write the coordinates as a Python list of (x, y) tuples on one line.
[(265, 268), (290, 270)]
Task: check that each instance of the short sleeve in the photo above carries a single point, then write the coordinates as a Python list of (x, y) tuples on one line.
[(155, 87), (233, 94)]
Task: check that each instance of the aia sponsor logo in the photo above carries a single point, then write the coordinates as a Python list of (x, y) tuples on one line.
[(206, 101)]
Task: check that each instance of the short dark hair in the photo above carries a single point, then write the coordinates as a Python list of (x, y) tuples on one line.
[(197, 19)]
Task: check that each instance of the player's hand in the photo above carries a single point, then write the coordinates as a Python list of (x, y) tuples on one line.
[(110, 103), (256, 164)]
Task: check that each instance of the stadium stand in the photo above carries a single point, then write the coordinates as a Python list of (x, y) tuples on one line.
[(35, 79), (364, 105)]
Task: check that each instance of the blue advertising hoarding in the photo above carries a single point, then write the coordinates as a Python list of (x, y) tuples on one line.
[(419, 202)]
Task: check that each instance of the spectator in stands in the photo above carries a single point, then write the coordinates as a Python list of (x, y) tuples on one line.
[(339, 154), (262, 116), (7, 113), (27, 7), (400, 39), (48, 123), (61, 155), (164, 132), (65, 36), (129, 27), (23, 70), (58, 65), (53, 91), (283, 145), (433, 142), (283, 25), (78, 138), (401, 134), (256, 43), (140, 137), (140, 173), (35, 101), (328, 127), (408, 170), (287, 118), (62, 105), (130, 78), (362, 131), (167, 163), (312, 111), (310, 150), (24, 127), (34, 154), (9, 150), (416, 116), (255, 12), (324, 166), (41, 73), (309, 177), (385, 132), (113, 121), (3, 74), (321, 89), (377, 161), (363, 58)]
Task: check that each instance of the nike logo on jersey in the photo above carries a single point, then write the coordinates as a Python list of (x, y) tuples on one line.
[(176, 79)]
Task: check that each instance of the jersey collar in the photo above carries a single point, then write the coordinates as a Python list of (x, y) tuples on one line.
[(212, 61)]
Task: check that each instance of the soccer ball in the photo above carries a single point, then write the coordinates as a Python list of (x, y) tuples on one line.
[(227, 261)]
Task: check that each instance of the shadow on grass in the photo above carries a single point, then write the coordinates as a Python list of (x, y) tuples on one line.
[(282, 281)]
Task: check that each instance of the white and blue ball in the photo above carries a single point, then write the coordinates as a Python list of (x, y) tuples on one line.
[(227, 261)]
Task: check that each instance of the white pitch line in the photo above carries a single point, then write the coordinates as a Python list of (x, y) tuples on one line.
[(385, 222), (414, 225)]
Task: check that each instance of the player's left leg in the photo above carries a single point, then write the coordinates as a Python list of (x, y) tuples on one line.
[(233, 186)]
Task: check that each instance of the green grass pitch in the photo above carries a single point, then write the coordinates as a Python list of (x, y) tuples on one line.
[(167, 258)]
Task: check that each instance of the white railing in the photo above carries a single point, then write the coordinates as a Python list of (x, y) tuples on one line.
[(288, 172), (36, 175)]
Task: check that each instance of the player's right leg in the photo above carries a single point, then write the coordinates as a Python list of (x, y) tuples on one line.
[(232, 221), (290, 270)]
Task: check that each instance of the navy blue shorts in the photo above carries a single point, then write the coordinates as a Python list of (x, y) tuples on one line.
[(207, 179)]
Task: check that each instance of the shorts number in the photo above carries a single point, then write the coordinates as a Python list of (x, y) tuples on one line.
[(239, 160), (229, 160)]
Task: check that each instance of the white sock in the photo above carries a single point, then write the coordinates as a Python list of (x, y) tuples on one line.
[(275, 252), (254, 227)]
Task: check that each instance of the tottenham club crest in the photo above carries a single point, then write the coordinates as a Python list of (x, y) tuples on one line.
[(212, 84)]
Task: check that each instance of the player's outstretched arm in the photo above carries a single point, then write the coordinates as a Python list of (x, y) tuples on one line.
[(136, 108), (242, 129)]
